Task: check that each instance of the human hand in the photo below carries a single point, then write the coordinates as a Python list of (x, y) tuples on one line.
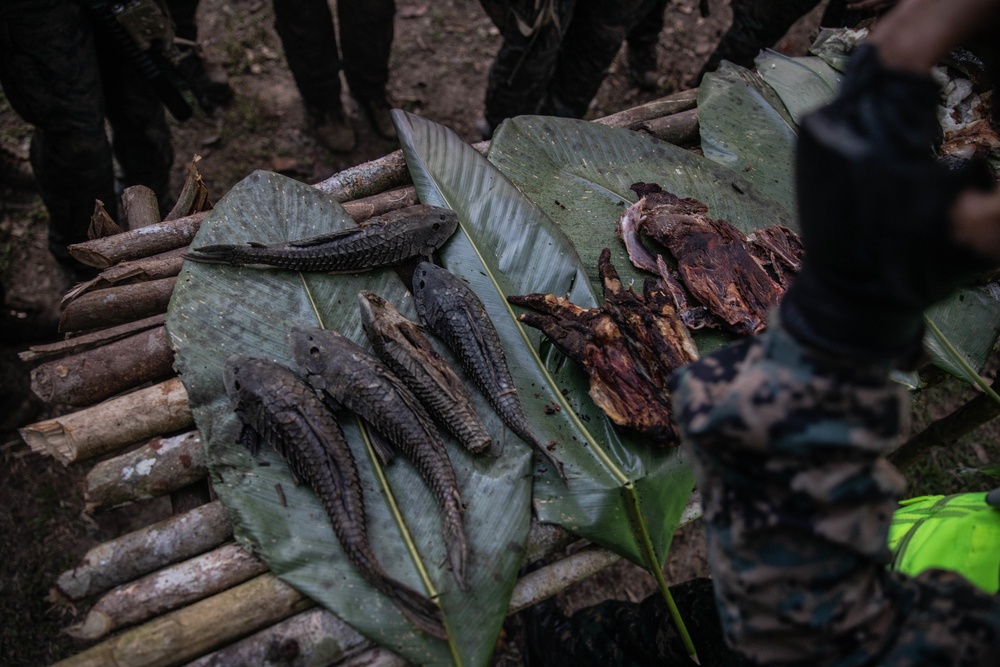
[(888, 229)]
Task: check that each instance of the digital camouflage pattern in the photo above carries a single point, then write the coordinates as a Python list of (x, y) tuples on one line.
[(787, 448)]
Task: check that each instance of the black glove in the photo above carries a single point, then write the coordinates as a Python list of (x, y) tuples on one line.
[(873, 208)]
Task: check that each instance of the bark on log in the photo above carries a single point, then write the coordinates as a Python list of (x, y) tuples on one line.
[(101, 223), (136, 554), (369, 178), (161, 466), (168, 589), (92, 376), (392, 200), (665, 106), (187, 633), (90, 341), (161, 237), (194, 195), (680, 129), (117, 305), (164, 265), (314, 637), (108, 426), (141, 207), (551, 579)]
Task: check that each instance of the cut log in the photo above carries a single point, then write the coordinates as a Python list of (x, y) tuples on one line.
[(665, 106), (369, 178), (161, 466), (136, 554), (90, 341), (187, 633), (94, 375), (168, 589), (164, 265), (551, 579), (141, 207), (117, 305), (680, 129), (161, 237), (314, 637), (108, 426)]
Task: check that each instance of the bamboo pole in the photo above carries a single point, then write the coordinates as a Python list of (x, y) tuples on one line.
[(314, 637), (161, 237), (161, 466), (168, 589), (108, 426), (90, 341), (138, 553), (88, 377), (117, 305), (187, 633)]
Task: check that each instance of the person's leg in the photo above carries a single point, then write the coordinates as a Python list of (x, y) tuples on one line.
[(366, 32), (310, 43), (50, 76), (524, 64), (642, 40), (593, 38)]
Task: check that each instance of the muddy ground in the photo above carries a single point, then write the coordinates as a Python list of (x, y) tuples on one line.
[(441, 55)]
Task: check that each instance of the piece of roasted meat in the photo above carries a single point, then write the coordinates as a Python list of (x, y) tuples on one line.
[(629, 346)]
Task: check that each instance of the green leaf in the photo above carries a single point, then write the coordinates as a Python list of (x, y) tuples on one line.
[(744, 122), (745, 126), (499, 225), (221, 310), (803, 84)]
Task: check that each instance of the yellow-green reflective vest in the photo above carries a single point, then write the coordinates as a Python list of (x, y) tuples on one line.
[(960, 533)]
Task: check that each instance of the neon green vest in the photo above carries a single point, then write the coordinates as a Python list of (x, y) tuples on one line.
[(959, 533)]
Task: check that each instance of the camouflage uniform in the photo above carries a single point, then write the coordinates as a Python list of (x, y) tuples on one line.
[(557, 68), (788, 449), (62, 74)]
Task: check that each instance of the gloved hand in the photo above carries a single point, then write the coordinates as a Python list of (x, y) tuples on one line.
[(873, 209)]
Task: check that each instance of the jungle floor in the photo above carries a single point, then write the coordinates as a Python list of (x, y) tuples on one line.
[(441, 56)]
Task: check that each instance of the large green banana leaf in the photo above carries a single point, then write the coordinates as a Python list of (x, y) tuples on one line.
[(620, 493), (744, 123), (220, 310)]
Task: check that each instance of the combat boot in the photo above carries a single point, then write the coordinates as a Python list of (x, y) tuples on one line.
[(376, 109), (332, 129)]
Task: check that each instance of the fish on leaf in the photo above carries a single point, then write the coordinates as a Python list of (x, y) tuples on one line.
[(390, 239), (402, 346), (277, 407), (737, 279), (455, 314), (341, 371)]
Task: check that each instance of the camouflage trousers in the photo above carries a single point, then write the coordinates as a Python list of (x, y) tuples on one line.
[(788, 451), (62, 74), (556, 68)]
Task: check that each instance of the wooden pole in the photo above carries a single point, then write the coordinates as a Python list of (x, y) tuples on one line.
[(155, 267), (88, 377), (90, 341), (680, 129), (108, 426), (161, 466), (168, 589), (314, 637), (187, 633), (138, 553), (117, 305), (665, 106), (161, 237)]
